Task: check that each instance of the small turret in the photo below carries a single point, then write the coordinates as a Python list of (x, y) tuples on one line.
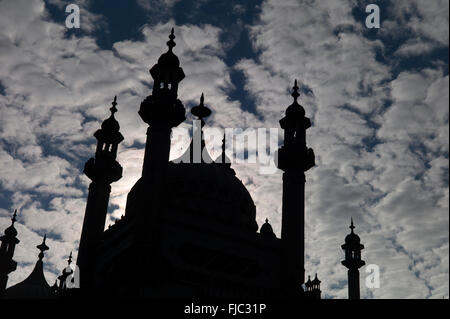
[(266, 230), (352, 261)]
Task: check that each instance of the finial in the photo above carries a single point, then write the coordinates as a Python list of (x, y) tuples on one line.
[(42, 247), (223, 144), (69, 261), (351, 224), (171, 43), (13, 219), (267, 220), (113, 109), (201, 110), (295, 94)]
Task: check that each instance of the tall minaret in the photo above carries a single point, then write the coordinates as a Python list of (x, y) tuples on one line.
[(102, 170), (162, 111), (7, 264), (294, 158), (353, 262)]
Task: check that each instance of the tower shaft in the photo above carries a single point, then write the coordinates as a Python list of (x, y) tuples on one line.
[(353, 283), (293, 224), (93, 227)]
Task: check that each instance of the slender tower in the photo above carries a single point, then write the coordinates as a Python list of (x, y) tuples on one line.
[(7, 264), (162, 111), (294, 158), (353, 262), (102, 170)]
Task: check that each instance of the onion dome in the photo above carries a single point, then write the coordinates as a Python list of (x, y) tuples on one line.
[(169, 59), (11, 230), (266, 230), (352, 240), (110, 125), (206, 191), (308, 284), (316, 282), (295, 110)]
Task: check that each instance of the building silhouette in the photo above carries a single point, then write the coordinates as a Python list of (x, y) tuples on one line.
[(189, 228)]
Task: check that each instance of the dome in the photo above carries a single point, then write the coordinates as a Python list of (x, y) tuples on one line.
[(168, 60), (295, 110), (110, 125), (207, 190), (352, 239), (11, 231), (267, 230)]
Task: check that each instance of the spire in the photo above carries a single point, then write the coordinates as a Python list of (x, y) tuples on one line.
[(69, 260), (14, 217), (113, 109), (351, 224), (171, 43), (11, 230), (295, 93), (42, 247), (197, 153), (201, 111)]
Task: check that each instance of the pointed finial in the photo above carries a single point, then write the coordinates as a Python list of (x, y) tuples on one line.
[(267, 220), (69, 261), (223, 145), (113, 109), (295, 94), (201, 111), (171, 43), (13, 219), (351, 224), (42, 247)]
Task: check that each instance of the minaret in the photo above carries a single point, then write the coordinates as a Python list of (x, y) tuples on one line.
[(7, 264), (162, 111), (294, 158), (353, 262), (102, 170)]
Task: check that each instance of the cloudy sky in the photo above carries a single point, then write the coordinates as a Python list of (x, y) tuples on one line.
[(377, 98)]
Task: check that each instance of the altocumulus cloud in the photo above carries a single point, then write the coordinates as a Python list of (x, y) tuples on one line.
[(380, 132)]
